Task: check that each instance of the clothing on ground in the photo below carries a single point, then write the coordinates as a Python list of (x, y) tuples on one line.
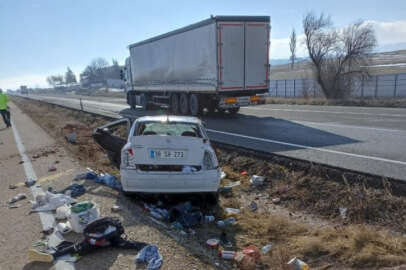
[(150, 254)]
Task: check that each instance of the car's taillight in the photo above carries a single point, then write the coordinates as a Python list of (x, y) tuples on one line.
[(208, 162), (129, 159)]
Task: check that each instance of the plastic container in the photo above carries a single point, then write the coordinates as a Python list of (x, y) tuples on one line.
[(82, 214), (232, 212), (296, 264), (227, 254), (213, 243)]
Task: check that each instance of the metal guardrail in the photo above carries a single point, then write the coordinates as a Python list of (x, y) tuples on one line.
[(378, 86)]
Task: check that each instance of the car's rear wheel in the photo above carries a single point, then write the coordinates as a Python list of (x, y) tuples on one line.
[(194, 105), (184, 104), (175, 103)]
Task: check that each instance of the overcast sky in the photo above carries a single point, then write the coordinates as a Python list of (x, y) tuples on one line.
[(43, 37)]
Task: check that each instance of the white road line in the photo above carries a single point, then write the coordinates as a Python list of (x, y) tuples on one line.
[(310, 147), (333, 112), (47, 218), (347, 126)]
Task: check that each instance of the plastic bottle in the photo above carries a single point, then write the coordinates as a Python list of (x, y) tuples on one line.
[(266, 249), (209, 219), (226, 254)]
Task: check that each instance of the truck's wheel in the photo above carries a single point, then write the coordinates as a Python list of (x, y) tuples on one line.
[(175, 103), (195, 105), (145, 101), (184, 104), (233, 111)]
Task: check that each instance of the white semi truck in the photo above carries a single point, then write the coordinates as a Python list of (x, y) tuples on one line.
[(221, 63)]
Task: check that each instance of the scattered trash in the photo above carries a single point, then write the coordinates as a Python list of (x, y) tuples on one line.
[(296, 264), (276, 200), (12, 186), (156, 215), (213, 243), (115, 208), (18, 197), (56, 162), (62, 212), (282, 189), (63, 227), (343, 212), (21, 162), (266, 249), (30, 182), (244, 173), (74, 190), (209, 219), (227, 222), (176, 226), (47, 231), (50, 201), (226, 254), (186, 214), (82, 214), (248, 258), (105, 179), (228, 188), (35, 156), (257, 180), (232, 212), (52, 169), (223, 175), (150, 254), (12, 205), (253, 206), (224, 241), (71, 138)]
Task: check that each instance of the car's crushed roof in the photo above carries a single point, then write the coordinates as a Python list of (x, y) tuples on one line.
[(170, 118)]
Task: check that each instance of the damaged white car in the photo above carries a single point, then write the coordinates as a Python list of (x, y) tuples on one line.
[(168, 154)]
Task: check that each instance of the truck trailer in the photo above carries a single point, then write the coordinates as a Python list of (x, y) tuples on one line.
[(221, 63)]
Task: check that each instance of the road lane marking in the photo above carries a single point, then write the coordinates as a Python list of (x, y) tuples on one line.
[(309, 147), (47, 219), (347, 126), (49, 177), (332, 112)]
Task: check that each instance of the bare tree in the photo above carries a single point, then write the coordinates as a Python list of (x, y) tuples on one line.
[(292, 45), (55, 80), (339, 57), (94, 71), (70, 77)]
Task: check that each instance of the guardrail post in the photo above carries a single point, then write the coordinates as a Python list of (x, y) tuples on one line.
[(276, 87), (285, 88), (81, 104), (376, 86), (294, 87), (396, 85), (362, 86)]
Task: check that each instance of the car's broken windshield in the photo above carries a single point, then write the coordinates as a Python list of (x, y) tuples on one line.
[(168, 129)]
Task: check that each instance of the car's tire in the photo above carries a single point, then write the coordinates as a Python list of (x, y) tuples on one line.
[(195, 106), (175, 103), (184, 104), (145, 101), (233, 111)]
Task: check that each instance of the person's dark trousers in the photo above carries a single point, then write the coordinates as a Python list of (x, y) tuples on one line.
[(6, 117)]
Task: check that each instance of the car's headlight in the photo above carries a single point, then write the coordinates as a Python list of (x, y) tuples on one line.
[(208, 161)]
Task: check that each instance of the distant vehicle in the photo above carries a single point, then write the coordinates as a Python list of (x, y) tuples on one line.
[(221, 63)]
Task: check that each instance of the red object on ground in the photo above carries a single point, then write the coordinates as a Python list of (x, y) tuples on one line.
[(244, 173)]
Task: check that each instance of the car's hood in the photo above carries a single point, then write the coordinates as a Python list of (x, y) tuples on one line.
[(193, 149)]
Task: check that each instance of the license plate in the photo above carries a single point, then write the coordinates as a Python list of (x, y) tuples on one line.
[(167, 154)]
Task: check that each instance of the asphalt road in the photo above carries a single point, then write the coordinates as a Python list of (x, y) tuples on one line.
[(370, 140)]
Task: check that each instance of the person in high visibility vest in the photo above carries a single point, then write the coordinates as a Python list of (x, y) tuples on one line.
[(4, 109)]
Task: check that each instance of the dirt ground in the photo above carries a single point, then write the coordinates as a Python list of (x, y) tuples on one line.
[(298, 207)]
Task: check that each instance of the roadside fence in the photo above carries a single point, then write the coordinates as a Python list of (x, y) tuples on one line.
[(377, 86)]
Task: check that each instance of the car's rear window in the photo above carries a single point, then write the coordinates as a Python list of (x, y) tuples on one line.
[(168, 129)]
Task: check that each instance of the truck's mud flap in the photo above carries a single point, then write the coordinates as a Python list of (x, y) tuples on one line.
[(112, 138)]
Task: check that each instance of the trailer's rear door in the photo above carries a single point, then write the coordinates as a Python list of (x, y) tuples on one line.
[(256, 55), (231, 55)]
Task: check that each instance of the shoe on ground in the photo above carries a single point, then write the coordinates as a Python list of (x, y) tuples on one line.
[(38, 256)]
